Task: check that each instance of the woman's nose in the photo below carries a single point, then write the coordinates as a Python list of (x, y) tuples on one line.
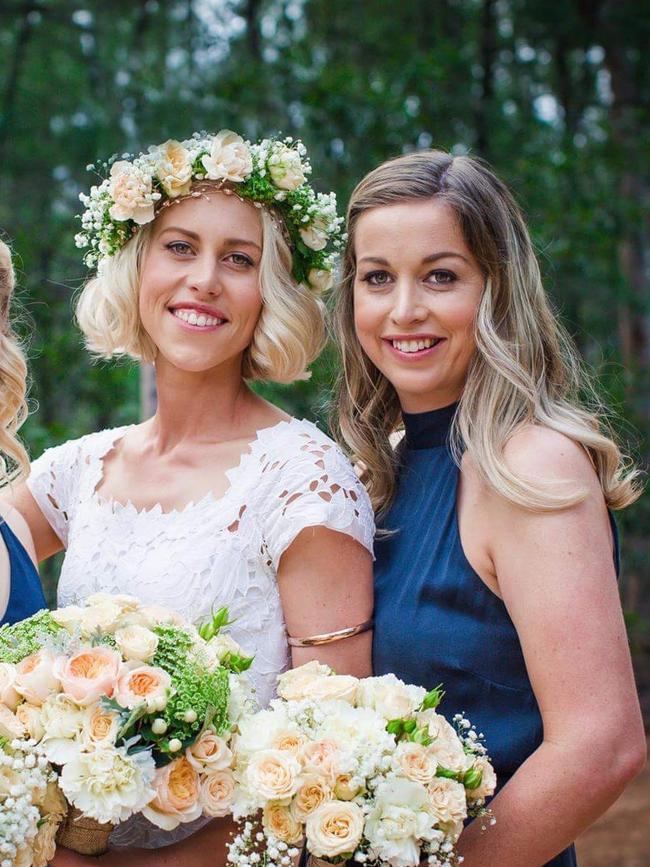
[(409, 305), (205, 277)]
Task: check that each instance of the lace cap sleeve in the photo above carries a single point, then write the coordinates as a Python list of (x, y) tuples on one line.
[(314, 485)]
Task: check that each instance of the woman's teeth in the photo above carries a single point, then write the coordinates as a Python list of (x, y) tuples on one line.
[(199, 319), (415, 345)]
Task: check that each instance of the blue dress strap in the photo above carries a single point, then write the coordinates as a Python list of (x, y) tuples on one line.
[(25, 591)]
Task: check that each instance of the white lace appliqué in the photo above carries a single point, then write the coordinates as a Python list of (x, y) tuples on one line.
[(213, 552)]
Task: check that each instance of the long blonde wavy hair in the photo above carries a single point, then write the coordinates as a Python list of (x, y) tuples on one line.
[(14, 462), (524, 370)]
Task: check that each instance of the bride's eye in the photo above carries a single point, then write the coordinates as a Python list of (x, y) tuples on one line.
[(377, 278), (179, 247)]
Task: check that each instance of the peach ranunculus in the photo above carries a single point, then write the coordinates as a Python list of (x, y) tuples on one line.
[(177, 795), (273, 774), (216, 794), (147, 684), (89, 674), (36, 678), (8, 694), (209, 753), (278, 821), (313, 792), (174, 168)]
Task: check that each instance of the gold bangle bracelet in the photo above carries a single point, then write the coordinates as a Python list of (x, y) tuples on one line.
[(327, 637)]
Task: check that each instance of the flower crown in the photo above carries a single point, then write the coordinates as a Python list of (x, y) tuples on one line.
[(272, 172)]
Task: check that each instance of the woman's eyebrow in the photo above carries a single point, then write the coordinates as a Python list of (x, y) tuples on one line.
[(230, 242), (445, 254)]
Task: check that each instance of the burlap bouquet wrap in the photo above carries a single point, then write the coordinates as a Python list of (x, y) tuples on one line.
[(83, 835)]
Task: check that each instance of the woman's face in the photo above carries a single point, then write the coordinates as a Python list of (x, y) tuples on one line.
[(416, 291), (199, 292)]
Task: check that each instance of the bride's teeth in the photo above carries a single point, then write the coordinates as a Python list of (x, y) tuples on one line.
[(414, 345), (192, 319), (200, 321)]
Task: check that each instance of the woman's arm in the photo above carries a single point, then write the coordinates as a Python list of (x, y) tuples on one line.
[(556, 576), (20, 528), (325, 581), (45, 542)]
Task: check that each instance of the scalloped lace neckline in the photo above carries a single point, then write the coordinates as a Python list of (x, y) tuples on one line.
[(232, 474)]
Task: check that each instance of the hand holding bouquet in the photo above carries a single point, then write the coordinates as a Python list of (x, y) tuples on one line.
[(131, 705), (359, 769)]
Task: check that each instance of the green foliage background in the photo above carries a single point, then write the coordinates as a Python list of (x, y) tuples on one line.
[(554, 95)]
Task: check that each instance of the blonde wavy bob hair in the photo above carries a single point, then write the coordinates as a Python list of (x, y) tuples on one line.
[(288, 336), (524, 370), (14, 463)]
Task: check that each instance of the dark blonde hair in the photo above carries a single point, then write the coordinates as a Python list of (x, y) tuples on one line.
[(14, 462), (525, 369)]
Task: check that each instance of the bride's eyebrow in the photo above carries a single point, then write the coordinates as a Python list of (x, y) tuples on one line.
[(181, 231)]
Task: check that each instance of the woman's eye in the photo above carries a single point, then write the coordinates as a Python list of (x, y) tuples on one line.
[(240, 259), (441, 277), (179, 247), (377, 278)]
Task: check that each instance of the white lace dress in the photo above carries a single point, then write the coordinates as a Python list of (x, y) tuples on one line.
[(213, 552)]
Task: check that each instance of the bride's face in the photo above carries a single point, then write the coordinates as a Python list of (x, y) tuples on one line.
[(416, 292), (199, 295)]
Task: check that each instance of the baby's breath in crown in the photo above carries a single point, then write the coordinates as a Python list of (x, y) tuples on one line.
[(272, 172)]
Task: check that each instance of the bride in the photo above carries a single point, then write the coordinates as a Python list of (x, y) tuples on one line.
[(209, 253)]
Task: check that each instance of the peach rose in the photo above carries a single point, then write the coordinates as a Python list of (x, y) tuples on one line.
[(36, 677), (89, 674), (209, 753), (334, 829), (216, 794), (101, 727), (313, 792), (177, 795), (415, 761), (273, 774), (278, 821), (30, 717), (447, 800), (8, 694), (321, 758), (146, 683)]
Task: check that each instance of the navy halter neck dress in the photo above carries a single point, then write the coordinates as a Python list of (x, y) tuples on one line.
[(435, 619), (25, 593)]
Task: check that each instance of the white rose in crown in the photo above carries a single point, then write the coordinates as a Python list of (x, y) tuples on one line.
[(334, 829), (320, 279), (292, 684), (173, 168), (136, 643), (230, 158), (389, 696), (286, 168), (315, 234), (131, 192), (400, 819)]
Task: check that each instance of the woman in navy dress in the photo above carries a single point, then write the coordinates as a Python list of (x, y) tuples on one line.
[(496, 570), (20, 587)]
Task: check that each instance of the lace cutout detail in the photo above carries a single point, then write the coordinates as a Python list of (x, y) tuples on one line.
[(213, 552)]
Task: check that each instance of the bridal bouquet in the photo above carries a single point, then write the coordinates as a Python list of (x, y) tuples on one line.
[(358, 769), (133, 708)]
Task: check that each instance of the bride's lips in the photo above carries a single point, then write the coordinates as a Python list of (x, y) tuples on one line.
[(412, 355), (193, 316)]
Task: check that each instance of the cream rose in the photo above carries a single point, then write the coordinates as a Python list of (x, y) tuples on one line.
[(488, 783), (337, 686), (286, 168), (8, 695), (320, 279), (279, 821), (217, 792), (314, 791), (415, 761), (137, 642), (449, 753), (209, 753), (89, 674), (125, 601), (321, 758), (346, 787), (216, 648), (334, 829), (131, 192), (10, 726), (273, 774), (447, 800), (154, 614), (146, 684), (292, 683), (389, 696), (30, 717), (230, 158), (69, 617), (177, 795), (290, 740), (101, 727), (102, 616), (173, 168), (315, 234), (36, 678)]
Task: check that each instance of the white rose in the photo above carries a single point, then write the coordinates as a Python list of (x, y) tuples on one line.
[(136, 642), (230, 158), (292, 684), (131, 193), (173, 168), (278, 821), (216, 793), (286, 169), (340, 687), (320, 279), (447, 800), (101, 616), (389, 696), (488, 783), (398, 822), (334, 829), (217, 647), (69, 617), (154, 614), (273, 774), (315, 235), (415, 761), (8, 695)]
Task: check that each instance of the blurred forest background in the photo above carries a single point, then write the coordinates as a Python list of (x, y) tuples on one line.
[(555, 95)]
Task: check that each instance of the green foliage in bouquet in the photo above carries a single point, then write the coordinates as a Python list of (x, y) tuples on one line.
[(18, 640)]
